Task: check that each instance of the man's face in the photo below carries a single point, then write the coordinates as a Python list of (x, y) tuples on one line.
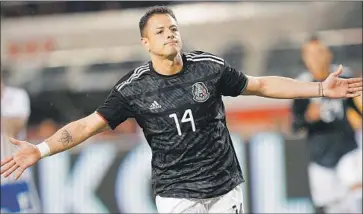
[(161, 36), (317, 57)]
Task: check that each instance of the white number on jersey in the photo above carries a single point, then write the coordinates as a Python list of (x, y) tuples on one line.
[(187, 117)]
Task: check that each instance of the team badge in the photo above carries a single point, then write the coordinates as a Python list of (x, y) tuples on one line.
[(200, 92)]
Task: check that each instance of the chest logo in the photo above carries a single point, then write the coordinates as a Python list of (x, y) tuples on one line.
[(200, 92), (154, 105)]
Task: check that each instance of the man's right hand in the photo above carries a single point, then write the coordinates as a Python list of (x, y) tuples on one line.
[(26, 156)]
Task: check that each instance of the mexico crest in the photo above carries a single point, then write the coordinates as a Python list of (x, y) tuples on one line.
[(200, 92)]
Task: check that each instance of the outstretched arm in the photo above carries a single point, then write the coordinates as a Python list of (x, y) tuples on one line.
[(281, 88), (76, 132), (287, 88), (67, 137), (110, 114)]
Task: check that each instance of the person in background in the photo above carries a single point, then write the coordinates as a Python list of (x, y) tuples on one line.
[(17, 196), (350, 167), (329, 134), (46, 128)]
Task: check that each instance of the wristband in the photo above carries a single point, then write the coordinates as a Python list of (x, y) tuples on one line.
[(321, 90), (43, 149)]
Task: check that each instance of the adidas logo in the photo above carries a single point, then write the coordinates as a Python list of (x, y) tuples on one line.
[(154, 105)]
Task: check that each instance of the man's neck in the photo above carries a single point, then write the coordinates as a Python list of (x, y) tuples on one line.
[(167, 66), (322, 74)]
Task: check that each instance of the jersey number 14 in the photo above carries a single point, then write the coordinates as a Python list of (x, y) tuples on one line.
[(187, 117)]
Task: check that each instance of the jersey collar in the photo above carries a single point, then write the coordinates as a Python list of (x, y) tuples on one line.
[(185, 64)]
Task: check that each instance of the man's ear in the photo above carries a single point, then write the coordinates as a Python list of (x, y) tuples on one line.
[(145, 43)]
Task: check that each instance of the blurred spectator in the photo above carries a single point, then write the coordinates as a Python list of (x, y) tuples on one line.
[(330, 137), (47, 128), (17, 196)]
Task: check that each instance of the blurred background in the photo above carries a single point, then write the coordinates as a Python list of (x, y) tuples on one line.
[(68, 55)]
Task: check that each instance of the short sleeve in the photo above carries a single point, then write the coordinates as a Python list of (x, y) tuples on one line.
[(232, 82), (16, 104), (23, 107), (115, 109)]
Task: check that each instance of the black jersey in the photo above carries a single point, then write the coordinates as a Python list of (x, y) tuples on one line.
[(183, 120), (332, 136), (355, 104)]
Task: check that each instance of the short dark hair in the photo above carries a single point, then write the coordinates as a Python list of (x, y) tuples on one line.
[(314, 37), (152, 11)]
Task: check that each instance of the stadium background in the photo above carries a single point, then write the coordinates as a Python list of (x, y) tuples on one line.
[(68, 55)]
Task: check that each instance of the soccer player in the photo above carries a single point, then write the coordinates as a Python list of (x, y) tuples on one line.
[(349, 168), (329, 134), (176, 98), (16, 196)]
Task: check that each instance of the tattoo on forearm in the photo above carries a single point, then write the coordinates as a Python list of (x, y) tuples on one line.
[(66, 138)]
